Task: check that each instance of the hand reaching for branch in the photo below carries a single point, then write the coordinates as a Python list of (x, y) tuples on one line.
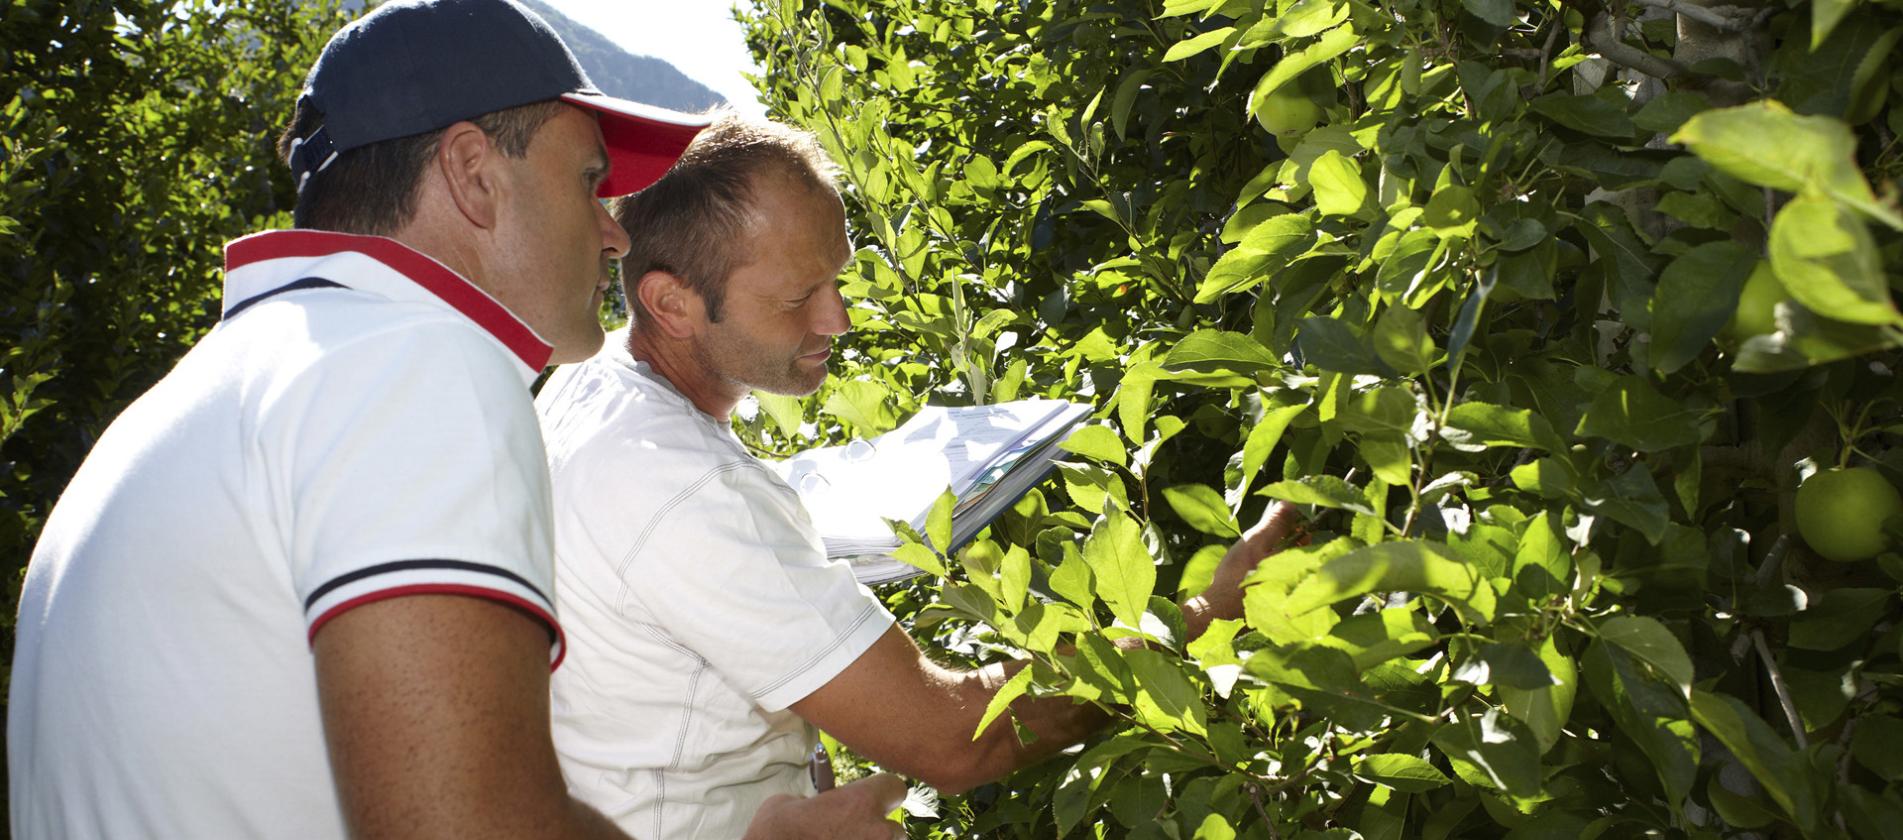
[(1223, 598), (854, 812)]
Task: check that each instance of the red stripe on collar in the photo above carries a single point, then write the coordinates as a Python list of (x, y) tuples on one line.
[(452, 288)]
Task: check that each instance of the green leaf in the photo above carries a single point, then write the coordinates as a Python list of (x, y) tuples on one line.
[(1175, 8), (1654, 715), (1167, 700), (1336, 180), (1072, 580), (1307, 667), (1649, 642), (1405, 773), (1635, 414), (1842, 617), (1126, 97), (1333, 43), (1826, 258), (864, 405), (1321, 490), (1208, 351), (1451, 211), (1265, 248), (1401, 340), (1696, 296), (1878, 745), (1545, 710), (1825, 15), (920, 557), (1098, 442), (1782, 771), (1202, 508), (1402, 566), (1543, 563), (1548, 478), (1388, 456), (938, 523), (1496, 12), (1012, 689), (784, 411), (1668, 111), (1804, 338), (1473, 425), (1332, 345), (1600, 116), (1495, 751), (1197, 45), (1123, 572), (1090, 486), (1214, 827), (1216, 646), (1510, 666), (1373, 638), (1631, 498), (1263, 437), (1389, 409), (1014, 578), (1763, 143)]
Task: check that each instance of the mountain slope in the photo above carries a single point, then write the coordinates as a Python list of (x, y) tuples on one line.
[(621, 73)]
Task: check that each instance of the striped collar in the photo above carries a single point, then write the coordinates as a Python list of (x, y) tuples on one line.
[(261, 262)]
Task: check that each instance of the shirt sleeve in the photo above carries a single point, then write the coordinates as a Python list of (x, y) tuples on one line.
[(409, 462), (733, 569)]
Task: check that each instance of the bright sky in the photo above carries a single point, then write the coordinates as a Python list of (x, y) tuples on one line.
[(699, 37)]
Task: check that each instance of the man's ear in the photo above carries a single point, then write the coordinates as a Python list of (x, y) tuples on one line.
[(470, 165), (673, 307)]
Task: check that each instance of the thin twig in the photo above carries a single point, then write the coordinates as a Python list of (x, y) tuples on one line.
[(1546, 52), (1783, 691), (1255, 797), (1722, 18), (1602, 39)]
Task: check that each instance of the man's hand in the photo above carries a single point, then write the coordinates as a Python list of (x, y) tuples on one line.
[(1223, 598), (854, 812)]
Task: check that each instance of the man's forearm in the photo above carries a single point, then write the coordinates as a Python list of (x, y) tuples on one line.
[(1056, 723)]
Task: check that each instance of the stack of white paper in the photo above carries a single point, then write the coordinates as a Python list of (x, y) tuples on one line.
[(988, 455)]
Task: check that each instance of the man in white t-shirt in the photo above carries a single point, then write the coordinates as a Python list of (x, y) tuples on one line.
[(301, 587), (695, 590)]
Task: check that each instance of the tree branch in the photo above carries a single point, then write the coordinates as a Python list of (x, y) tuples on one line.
[(1722, 18), (1783, 691), (1600, 38)]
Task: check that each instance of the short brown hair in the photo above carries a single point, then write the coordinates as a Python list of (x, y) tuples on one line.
[(372, 189), (693, 222)]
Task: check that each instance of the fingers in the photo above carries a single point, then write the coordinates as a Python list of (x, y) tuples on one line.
[(853, 812), (1278, 521), (883, 791), (875, 796)]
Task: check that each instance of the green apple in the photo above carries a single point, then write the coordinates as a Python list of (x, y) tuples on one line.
[(1841, 513)]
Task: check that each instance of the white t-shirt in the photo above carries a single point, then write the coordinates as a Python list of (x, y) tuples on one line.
[(698, 602), (365, 433)]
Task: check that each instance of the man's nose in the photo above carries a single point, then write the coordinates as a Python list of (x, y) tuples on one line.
[(614, 240), (831, 319)]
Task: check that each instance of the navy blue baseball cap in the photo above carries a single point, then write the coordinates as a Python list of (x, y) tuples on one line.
[(413, 66)]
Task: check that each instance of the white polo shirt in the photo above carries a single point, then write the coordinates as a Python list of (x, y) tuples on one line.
[(698, 602), (357, 428)]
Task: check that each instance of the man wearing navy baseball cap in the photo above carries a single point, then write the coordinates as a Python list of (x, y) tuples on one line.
[(300, 588)]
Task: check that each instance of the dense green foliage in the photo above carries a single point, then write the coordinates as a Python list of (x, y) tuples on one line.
[(135, 140), (1465, 277)]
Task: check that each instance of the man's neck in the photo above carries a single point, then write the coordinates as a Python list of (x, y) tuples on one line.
[(677, 363)]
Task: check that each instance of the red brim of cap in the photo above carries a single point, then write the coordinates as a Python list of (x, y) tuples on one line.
[(643, 141)]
